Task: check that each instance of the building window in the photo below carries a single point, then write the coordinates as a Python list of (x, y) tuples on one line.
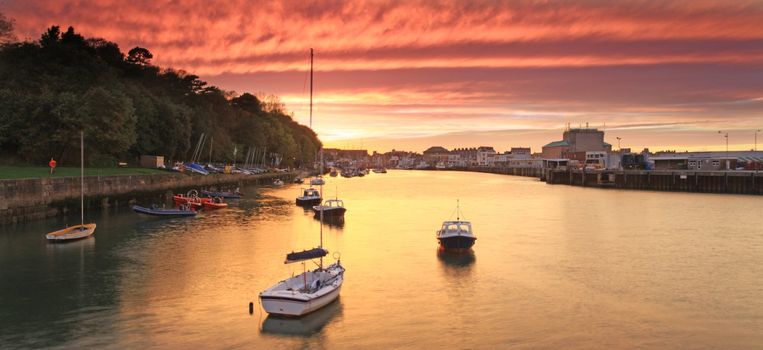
[(716, 163), (699, 164)]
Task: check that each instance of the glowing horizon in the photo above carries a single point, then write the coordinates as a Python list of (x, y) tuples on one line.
[(460, 74)]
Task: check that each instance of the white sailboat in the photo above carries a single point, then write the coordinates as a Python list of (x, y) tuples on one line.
[(73, 233), (310, 290)]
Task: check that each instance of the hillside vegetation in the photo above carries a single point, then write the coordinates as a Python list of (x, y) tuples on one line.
[(64, 83)]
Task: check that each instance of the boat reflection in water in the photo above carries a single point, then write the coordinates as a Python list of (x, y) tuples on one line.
[(306, 326), (456, 259)]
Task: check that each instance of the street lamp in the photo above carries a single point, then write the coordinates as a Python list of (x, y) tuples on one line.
[(756, 139), (620, 148), (726, 135)]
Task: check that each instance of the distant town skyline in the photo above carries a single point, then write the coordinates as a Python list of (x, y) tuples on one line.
[(410, 75)]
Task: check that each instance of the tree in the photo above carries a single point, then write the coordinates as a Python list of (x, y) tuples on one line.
[(108, 121), (65, 83), (6, 30), (140, 56), (51, 37)]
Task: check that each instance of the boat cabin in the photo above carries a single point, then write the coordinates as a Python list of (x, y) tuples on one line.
[(456, 227), (311, 192), (334, 203)]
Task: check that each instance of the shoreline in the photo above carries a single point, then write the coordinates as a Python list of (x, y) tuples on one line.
[(23, 200), (720, 182)]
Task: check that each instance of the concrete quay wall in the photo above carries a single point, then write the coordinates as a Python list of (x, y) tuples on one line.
[(31, 199), (735, 182)]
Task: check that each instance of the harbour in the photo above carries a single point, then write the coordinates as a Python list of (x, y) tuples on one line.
[(565, 266)]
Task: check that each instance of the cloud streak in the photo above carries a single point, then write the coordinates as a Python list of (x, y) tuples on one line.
[(418, 69)]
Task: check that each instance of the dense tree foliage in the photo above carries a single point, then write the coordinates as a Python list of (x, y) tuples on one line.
[(126, 106)]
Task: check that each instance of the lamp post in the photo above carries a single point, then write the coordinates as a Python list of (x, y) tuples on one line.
[(756, 139), (726, 135), (618, 144)]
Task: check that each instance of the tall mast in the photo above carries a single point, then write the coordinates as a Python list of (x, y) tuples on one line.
[(82, 177), (311, 126), (311, 88)]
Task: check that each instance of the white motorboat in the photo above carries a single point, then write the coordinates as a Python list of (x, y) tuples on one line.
[(330, 209), (456, 235), (310, 196), (310, 290), (317, 181), (278, 182)]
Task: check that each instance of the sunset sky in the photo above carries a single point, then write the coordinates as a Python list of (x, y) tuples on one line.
[(411, 74)]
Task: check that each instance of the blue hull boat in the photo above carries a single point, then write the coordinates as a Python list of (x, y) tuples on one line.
[(163, 212), (226, 195), (196, 168)]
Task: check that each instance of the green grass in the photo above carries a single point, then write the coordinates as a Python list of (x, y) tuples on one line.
[(17, 172)]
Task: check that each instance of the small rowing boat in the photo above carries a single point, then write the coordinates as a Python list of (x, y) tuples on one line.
[(227, 195), (71, 233), (183, 211)]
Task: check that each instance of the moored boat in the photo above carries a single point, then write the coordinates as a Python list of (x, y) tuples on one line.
[(227, 195), (332, 209), (310, 196), (183, 211), (278, 182), (71, 233), (76, 232), (317, 181), (310, 290), (195, 202), (214, 203), (333, 173), (456, 235)]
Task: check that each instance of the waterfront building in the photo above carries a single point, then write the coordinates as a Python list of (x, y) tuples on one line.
[(436, 155), (466, 155), (707, 161), (577, 140), (483, 152)]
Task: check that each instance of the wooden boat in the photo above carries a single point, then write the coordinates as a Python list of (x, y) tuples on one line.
[(82, 230), (164, 212), (71, 233)]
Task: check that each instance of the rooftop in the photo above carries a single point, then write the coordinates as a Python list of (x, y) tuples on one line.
[(557, 144)]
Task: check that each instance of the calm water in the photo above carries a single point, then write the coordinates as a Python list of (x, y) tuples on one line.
[(553, 266)]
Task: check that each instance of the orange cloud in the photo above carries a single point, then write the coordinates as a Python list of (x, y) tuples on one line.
[(418, 70)]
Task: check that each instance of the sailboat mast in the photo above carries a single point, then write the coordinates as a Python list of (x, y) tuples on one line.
[(311, 126), (311, 88), (82, 178)]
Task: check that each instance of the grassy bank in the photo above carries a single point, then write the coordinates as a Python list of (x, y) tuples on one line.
[(15, 172)]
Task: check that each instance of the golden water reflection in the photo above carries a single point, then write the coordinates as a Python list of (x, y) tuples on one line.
[(553, 266)]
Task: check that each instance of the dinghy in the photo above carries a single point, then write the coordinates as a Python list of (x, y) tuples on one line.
[(183, 211), (82, 230)]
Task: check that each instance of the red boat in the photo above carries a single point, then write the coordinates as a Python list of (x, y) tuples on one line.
[(214, 203), (195, 202)]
